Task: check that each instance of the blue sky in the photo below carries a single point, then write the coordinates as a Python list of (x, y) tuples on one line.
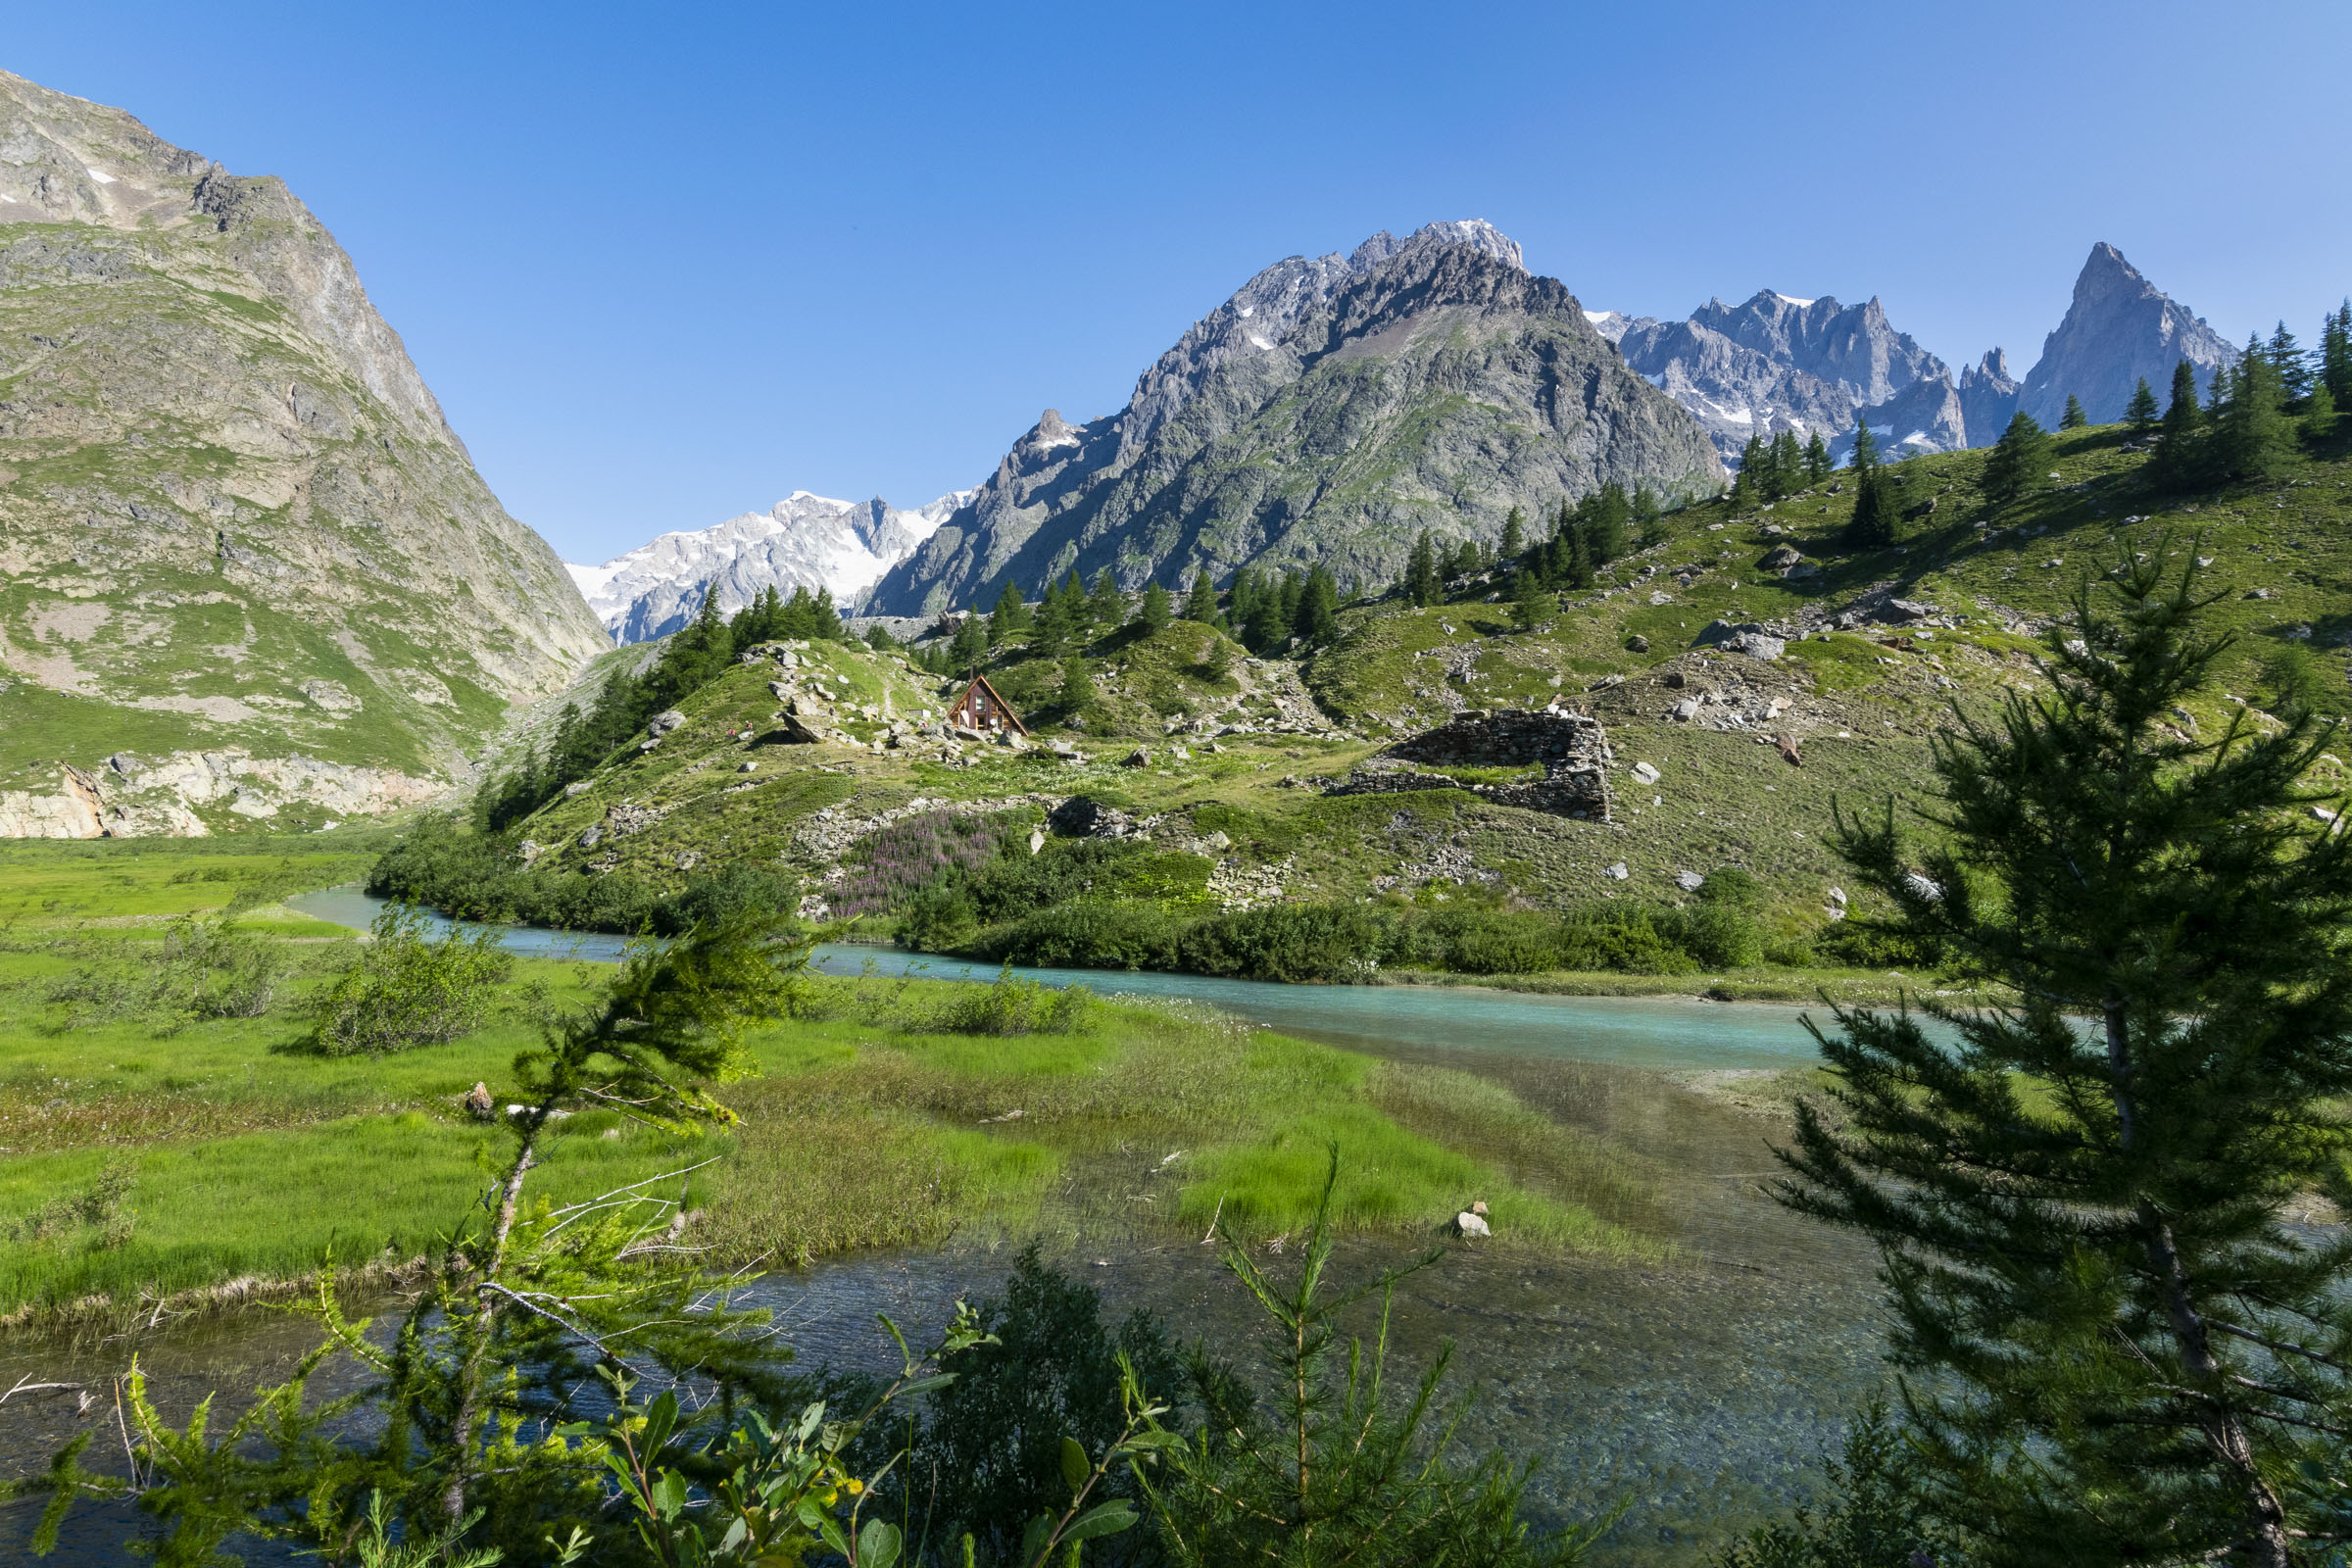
[(664, 263)]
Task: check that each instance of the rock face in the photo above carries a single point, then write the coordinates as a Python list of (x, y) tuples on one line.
[(1987, 398), (1775, 362), (804, 540), (2119, 328), (1329, 412), (132, 797), (233, 521)]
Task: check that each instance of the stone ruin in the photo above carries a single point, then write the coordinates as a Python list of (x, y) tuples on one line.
[(1572, 748)]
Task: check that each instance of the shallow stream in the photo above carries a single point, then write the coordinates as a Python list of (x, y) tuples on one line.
[(1699, 1393)]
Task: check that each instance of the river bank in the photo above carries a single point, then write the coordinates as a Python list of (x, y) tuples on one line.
[(1642, 1322)]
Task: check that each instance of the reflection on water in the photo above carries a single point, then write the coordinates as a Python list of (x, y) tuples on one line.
[(1699, 1393)]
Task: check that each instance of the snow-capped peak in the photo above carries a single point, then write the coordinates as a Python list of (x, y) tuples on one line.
[(804, 540)]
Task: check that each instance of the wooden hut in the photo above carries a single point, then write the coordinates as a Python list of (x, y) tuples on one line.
[(981, 709)]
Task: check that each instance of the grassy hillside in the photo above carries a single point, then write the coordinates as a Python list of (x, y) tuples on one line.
[(1227, 794)]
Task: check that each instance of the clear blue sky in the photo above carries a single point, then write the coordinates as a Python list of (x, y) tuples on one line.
[(664, 264)]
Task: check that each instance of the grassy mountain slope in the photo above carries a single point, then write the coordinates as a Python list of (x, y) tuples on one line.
[(1243, 821), (232, 514)]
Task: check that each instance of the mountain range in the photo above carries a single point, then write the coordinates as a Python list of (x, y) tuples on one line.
[(1337, 404), (241, 550), (802, 541)]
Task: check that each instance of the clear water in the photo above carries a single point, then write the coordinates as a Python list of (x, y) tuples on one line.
[(1697, 1393), (1656, 1032)]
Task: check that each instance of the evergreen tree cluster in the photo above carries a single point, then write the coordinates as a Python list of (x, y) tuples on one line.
[(2255, 411), (1775, 469), (703, 650), (1269, 611)]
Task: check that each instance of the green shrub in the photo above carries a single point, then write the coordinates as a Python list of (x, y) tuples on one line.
[(1014, 1007), (1091, 933), (936, 921), (1621, 937), (218, 972), (1290, 942), (405, 991)]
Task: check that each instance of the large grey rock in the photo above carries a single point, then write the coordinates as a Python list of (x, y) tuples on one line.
[(1437, 363), (2119, 328)]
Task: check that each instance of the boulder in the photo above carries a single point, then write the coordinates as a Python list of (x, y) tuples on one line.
[(1689, 881), (1676, 680), (1617, 872), (591, 838), (1141, 756), (663, 722), (1781, 558), (1646, 773), (1637, 644), (1687, 710), (1082, 816)]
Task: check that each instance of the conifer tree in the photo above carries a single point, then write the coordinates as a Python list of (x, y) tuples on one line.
[(1579, 562), (1316, 621), (2217, 392), (968, 648), (1155, 611), (2318, 414), (1104, 605), (1010, 618), (1865, 455), (2178, 458), (1421, 585), (1649, 523), (1514, 535), (1532, 603), (1077, 693), (2335, 354), (1605, 518), (2016, 466), (1266, 627), (1747, 485), (2073, 418), (2141, 412), (2255, 441), (2083, 1197), (1817, 458), (1202, 603), (2287, 360)]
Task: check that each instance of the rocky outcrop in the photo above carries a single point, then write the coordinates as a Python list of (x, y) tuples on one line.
[(804, 540), (1329, 412), (231, 513), (2120, 329), (130, 796)]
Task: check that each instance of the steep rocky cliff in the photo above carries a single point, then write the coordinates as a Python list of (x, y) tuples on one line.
[(233, 519), (2119, 328), (1329, 412)]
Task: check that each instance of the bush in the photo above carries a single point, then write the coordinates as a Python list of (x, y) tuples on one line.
[(936, 919), (221, 972), (1290, 942), (405, 991), (1092, 935), (1013, 1006), (1621, 937), (731, 893)]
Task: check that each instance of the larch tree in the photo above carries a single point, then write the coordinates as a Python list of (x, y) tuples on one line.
[(2126, 1347)]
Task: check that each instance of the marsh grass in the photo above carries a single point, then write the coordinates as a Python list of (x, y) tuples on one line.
[(896, 1135)]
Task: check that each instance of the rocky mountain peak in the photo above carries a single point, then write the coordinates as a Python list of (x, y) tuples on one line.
[(2120, 330)]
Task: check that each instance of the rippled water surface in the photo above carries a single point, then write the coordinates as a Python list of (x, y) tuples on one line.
[(1697, 1392)]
